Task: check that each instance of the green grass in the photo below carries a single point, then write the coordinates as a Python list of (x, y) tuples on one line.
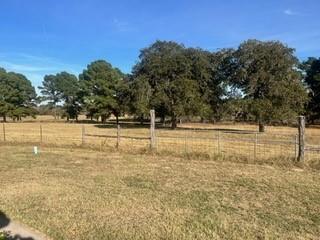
[(85, 194)]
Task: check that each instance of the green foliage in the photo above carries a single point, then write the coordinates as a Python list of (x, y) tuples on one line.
[(266, 72), (312, 79), (62, 88), (140, 97), (3, 236), (102, 89), (17, 96), (165, 70), (179, 82)]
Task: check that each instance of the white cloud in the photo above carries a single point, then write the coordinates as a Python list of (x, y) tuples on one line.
[(35, 67), (290, 12), (122, 26), (24, 67)]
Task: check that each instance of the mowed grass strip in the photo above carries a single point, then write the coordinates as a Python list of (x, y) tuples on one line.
[(83, 194)]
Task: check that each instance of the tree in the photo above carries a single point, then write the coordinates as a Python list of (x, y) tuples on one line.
[(312, 79), (17, 96), (266, 73), (211, 70), (102, 87), (50, 92), (140, 97), (167, 69), (62, 88), (69, 89)]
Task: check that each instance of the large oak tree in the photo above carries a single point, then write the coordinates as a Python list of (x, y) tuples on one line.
[(312, 79), (266, 73), (165, 70)]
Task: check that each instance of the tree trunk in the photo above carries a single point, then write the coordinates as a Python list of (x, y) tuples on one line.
[(261, 127), (55, 113), (163, 120), (4, 118), (173, 122), (141, 118), (103, 119), (117, 119)]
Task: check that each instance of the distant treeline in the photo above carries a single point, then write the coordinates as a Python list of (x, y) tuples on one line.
[(259, 81)]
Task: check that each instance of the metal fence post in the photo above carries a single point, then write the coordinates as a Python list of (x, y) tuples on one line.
[(301, 138), (118, 136), (152, 130)]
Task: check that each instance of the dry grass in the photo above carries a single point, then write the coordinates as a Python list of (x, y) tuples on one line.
[(83, 194), (235, 139)]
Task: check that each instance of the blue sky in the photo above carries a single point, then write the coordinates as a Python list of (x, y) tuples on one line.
[(39, 37)]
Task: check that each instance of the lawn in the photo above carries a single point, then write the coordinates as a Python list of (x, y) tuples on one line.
[(85, 194)]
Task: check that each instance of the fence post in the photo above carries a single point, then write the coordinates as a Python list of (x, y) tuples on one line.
[(185, 143), (118, 136), (219, 150), (152, 130), (4, 132), (301, 138), (83, 133), (40, 133), (296, 146), (255, 147)]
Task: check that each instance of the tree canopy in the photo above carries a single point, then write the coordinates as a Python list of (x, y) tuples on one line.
[(267, 74), (17, 96), (166, 69), (260, 81), (62, 88), (102, 87), (312, 79)]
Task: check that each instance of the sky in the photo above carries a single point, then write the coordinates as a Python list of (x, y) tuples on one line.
[(39, 37)]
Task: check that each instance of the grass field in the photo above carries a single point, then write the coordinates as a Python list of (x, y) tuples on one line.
[(82, 194), (235, 140)]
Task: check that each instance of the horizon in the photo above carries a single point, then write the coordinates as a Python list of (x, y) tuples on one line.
[(43, 37)]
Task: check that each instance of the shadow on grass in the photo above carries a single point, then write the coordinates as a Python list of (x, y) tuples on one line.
[(4, 222), (159, 126)]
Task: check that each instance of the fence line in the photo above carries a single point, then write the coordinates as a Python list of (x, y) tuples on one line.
[(250, 145)]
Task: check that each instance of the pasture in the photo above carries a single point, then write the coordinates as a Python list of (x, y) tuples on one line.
[(80, 193), (204, 181), (241, 141)]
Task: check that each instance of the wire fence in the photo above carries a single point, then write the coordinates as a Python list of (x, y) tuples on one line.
[(249, 145)]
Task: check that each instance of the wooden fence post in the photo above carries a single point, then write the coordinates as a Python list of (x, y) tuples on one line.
[(40, 133), (219, 150), (185, 143), (152, 130), (118, 136), (4, 132), (296, 143), (301, 138), (255, 147), (83, 133)]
